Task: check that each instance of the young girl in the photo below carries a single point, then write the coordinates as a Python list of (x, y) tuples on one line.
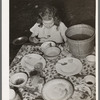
[(48, 27)]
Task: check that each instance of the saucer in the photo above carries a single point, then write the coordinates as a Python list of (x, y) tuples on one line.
[(68, 66)]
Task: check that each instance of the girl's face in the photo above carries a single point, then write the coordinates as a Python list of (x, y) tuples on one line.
[(48, 23)]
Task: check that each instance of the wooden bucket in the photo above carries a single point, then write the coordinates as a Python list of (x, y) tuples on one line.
[(81, 40)]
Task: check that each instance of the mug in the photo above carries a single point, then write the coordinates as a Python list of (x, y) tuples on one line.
[(89, 80)]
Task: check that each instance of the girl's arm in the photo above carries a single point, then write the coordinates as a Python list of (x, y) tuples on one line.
[(63, 29), (33, 37), (34, 30)]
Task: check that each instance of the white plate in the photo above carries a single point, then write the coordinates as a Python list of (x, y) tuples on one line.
[(68, 66), (31, 60), (47, 44), (81, 92), (57, 89)]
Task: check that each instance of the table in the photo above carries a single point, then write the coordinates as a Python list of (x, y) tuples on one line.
[(49, 72)]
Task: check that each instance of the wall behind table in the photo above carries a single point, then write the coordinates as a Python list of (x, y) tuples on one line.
[(79, 11)]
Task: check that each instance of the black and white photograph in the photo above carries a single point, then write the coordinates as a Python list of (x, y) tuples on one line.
[(52, 50)]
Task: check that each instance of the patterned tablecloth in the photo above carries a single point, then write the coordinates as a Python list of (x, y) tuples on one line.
[(49, 72)]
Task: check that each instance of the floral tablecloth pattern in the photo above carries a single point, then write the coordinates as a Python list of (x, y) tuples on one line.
[(49, 72)]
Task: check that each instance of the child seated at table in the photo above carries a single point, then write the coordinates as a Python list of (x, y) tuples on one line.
[(48, 27)]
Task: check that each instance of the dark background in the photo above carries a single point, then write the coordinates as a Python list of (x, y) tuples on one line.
[(23, 15)]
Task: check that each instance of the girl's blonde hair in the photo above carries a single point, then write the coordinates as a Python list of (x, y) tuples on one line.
[(47, 13)]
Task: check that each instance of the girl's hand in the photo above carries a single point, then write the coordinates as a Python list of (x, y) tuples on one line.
[(34, 39), (43, 40)]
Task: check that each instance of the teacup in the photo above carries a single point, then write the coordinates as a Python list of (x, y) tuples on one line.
[(89, 80), (18, 79)]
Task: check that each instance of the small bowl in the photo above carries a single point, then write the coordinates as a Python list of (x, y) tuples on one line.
[(18, 79), (52, 52), (90, 59), (47, 44), (20, 40)]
